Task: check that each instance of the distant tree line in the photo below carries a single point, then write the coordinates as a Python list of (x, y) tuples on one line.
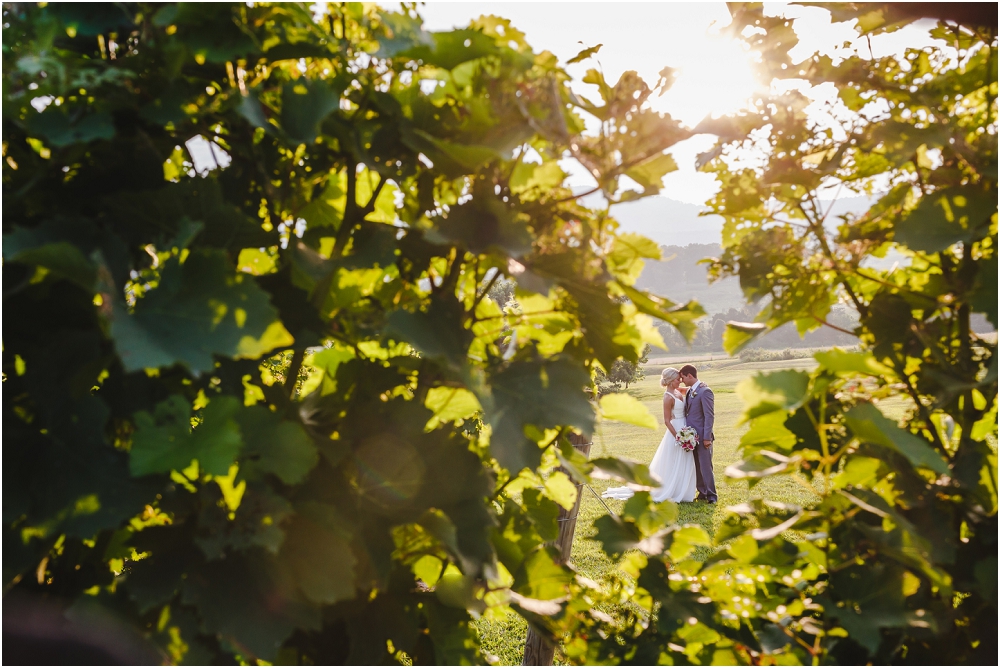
[(761, 355)]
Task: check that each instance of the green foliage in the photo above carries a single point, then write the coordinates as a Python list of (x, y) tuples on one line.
[(197, 311), (886, 565), (164, 441), (268, 411), (624, 408), (272, 413)]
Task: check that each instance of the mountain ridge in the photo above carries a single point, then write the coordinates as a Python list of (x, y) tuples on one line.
[(670, 222)]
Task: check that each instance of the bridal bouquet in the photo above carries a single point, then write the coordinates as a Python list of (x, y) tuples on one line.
[(687, 438)]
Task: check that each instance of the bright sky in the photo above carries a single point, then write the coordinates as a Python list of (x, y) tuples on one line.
[(715, 74)]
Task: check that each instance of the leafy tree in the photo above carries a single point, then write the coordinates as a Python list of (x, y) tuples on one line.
[(622, 374), (502, 292), (373, 183), (604, 384), (630, 372)]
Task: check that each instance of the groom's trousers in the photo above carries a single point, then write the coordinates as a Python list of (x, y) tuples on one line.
[(704, 473)]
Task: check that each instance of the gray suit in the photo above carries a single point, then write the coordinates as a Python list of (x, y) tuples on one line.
[(699, 409)]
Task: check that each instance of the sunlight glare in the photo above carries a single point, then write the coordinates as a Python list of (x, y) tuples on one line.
[(716, 81)]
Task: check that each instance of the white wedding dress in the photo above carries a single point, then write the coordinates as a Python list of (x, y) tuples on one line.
[(672, 464)]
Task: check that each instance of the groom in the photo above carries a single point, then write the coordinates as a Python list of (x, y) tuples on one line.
[(699, 409)]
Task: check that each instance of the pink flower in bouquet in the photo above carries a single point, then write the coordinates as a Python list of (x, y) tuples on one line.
[(687, 438)]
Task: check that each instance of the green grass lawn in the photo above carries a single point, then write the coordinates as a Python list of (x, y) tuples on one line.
[(505, 638)]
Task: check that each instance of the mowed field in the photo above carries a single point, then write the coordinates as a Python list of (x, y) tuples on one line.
[(504, 638)]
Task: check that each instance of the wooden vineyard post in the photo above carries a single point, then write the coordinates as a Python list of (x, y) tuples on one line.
[(567, 518), (538, 651)]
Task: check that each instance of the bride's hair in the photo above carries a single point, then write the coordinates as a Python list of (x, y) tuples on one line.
[(669, 375)]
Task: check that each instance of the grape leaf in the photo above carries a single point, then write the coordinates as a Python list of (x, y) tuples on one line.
[(545, 394), (83, 489), (317, 549), (626, 408), (649, 174), (483, 226), (947, 217), (846, 362), (739, 334), (686, 539), (154, 580), (616, 535), (561, 490), (868, 424), (62, 245), (619, 468), (164, 441), (625, 258), (62, 259), (681, 316), (273, 445), (584, 54), (62, 129), (765, 393), (984, 297), (769, 431), (541, 577), (200, 308), (451, 49), (92, 19), (436, 332), (449, 404), (249, 600), (304, 105), (326, 209), (258, 521)]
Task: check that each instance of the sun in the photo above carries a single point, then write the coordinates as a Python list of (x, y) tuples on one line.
[(714, 80)]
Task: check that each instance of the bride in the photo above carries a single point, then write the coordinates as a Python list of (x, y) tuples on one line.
[(673, 465)]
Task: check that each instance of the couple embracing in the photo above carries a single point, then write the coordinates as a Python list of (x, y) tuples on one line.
[(683, 473)]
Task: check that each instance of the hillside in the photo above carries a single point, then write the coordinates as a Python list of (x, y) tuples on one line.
[(680, 277), (669, 222), (672, 223), (686, 238)]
